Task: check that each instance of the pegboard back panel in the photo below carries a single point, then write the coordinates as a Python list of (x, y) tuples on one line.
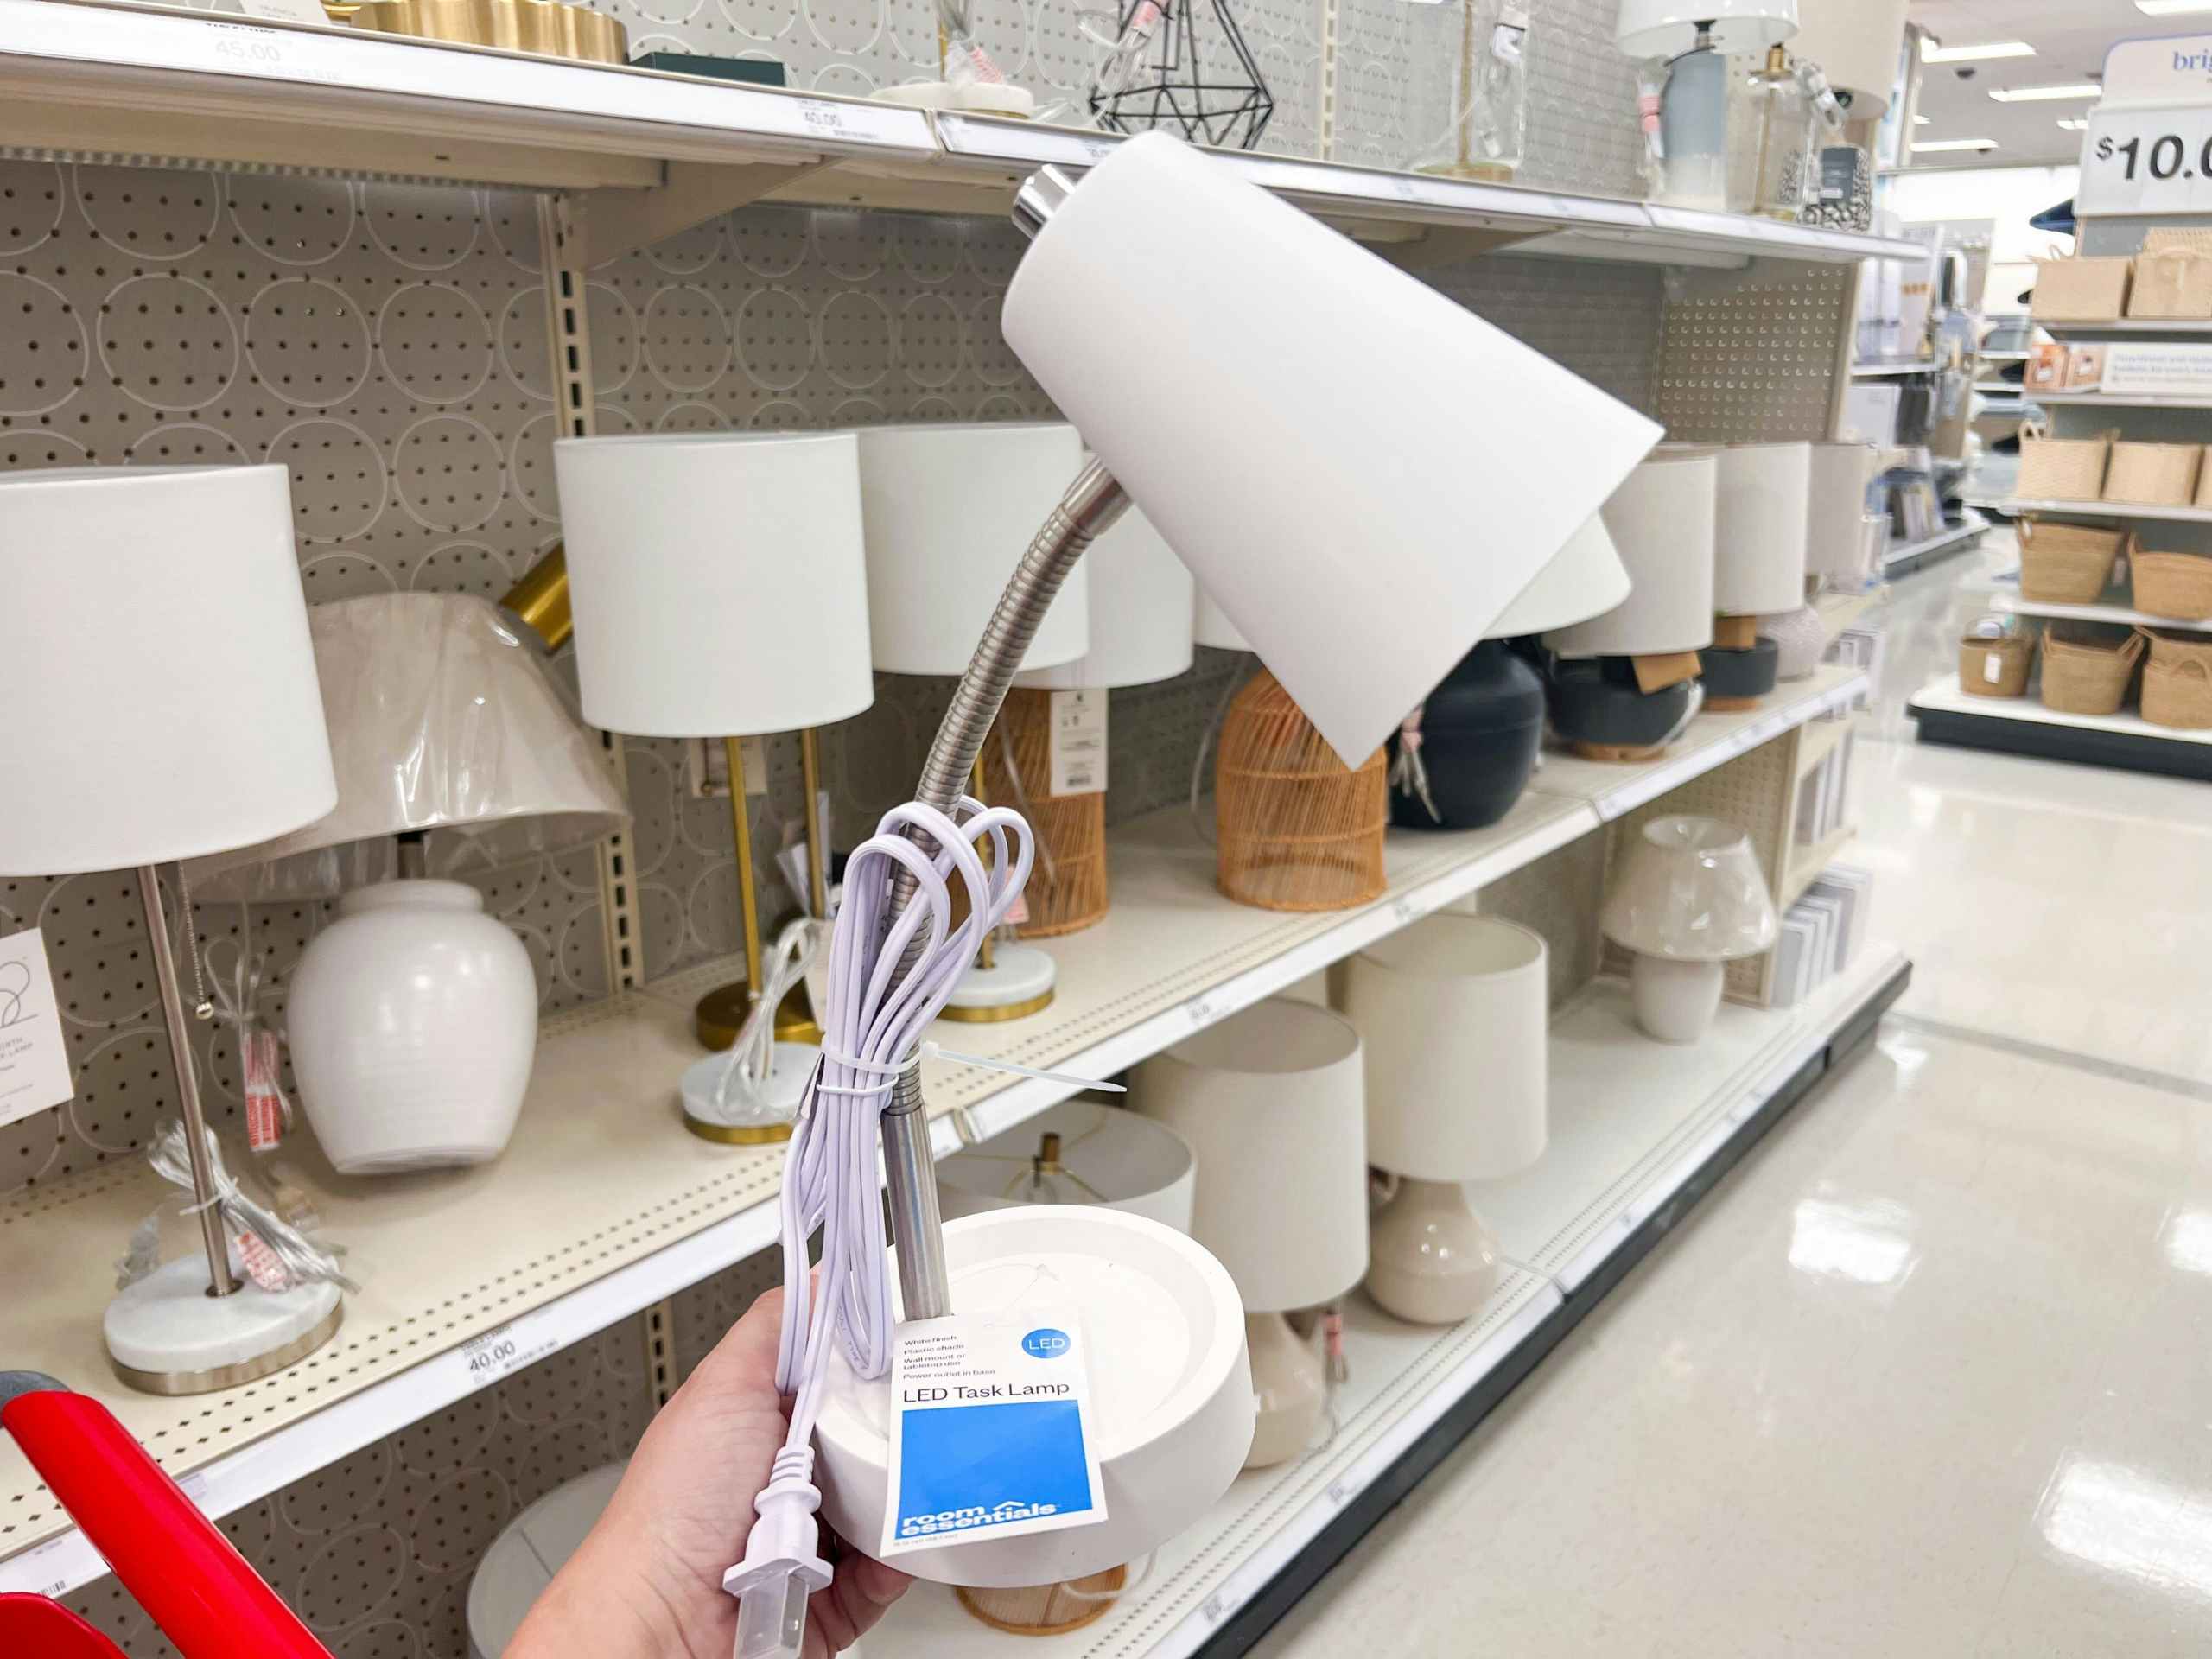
[(1559, 897), (1754, 356)]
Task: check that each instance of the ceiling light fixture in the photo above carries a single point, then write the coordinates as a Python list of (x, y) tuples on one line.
[(2039, 94), (1922, 121), (2080, 122), (1931, 52), (1929, 146)]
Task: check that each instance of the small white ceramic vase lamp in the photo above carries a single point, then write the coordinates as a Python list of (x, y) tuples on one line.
[(131, 739), (1693, 43), (412, 1016), (1272, 1102), (1077, 1152), (717, 584), (1689, 899), (1454, 1015), (943, 505)]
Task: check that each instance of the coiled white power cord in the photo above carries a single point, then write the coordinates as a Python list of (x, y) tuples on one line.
[(871, 1034)]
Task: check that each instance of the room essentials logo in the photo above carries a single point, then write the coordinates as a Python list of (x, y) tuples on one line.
[(924, 1526)]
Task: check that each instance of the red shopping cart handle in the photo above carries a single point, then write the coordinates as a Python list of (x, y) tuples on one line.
[(32, 1625), (207, 1601)]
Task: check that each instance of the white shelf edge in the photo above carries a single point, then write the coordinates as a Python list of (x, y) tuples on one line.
[(1943, 696), (2017, 505), (1975, 525), (1882, 369), (2123, 400), (2181, 328), (2117, 614)]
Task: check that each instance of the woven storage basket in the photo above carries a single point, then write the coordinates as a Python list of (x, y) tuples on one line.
[(2067, 564), (1046, 1609), (1067, 883), (2204, 482), (2173, 584), (2081, 290), (2154, 474), (1994, 668), (1297, 830), (2082, 675), (2063, 469), (2171, 282), (2179, 695)]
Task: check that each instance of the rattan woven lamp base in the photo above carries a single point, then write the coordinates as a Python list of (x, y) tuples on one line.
[(1067, 885), (1298, 829), (1046, 1609)]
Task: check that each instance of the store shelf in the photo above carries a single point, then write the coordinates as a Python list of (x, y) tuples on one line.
[(2170, 327), (111, 79), (1820, 741), (2024, 726), (1904, 557), (602, 1206), (1884, 369), (2015, 505), (2118, 614), (2004, 357), (2122, 400), (1639, 1131), (1806, 863), (1840, 612)]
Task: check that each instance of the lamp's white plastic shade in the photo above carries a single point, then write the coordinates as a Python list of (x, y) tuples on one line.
[(1836, 512), (1760, 528), (1661, 29), (717, 580), (1662, 521), (1108, 1156), (1454, 1015), (1857, 44), (161, 698), (1585, 579), (1210, 625), (1691, 890), (442, 720), (1272, 1102), (1321, 481), (1140, 597), (950, 511)]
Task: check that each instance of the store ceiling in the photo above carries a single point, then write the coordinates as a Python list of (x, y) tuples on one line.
[(2070, 38)]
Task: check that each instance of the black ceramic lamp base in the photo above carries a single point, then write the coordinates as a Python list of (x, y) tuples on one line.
[(1598, 709), (1480, 731), (1736, 680)]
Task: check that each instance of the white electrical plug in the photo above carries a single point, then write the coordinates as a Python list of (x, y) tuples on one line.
[(781, 1569)]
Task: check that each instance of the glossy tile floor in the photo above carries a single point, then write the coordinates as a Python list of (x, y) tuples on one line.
[(1931, 1372)]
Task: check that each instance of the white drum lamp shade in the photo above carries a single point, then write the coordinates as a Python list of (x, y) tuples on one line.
[(1661, 522), (1661, 29), (1273, 1103), (1857, 44), (413, 1016), (948, 509), (1210, 625), (130, 742), (1453, 1016), (718, 581), (1105, 1155), (1282, 463), (1836, 510), (1690, 897), (1141, 611), (1760, 528), (1585, 579)]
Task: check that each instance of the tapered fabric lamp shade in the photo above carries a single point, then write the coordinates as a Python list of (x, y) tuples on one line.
[(718, 581), (1857, 44), (130, 741), (1453, 1014), (1280, 438), (1662, 522), (1689, 896), (948, 508), (1660, 29), (1836, 510), (1764, 499)]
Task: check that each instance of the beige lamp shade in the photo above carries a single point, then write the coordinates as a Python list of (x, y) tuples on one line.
[(1662, 29), (1836, 509), (1764, 503), (1098, 1154), (1690, 890), (948, 510), (1857, 44), (1272, 1103), (160, 696), (1141, 598), (1453, 1017), (1585, 579), (1661, 522), (717, 580), (441, 721), (1211, 625)]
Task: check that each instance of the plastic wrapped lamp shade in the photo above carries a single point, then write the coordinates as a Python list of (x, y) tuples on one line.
[(1292, 459), (1661, 29), (117, 579), (1067, 890), (1140, 600), (718, 581), (1210, 625), (1760, 528), (1857, 44), (948, 510), (1077, 1152), (1295, 827), (1689, 898), (1661, 523), (1836, 511)]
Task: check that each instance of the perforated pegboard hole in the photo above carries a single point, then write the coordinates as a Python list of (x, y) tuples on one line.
[(168, 342), (423, 228), (43, 351), (687, 339), (187, 443), (150, 213), (448, 474), (30, 204), (435, 343), (338, 478), (125, 1089), (308, 343), (293, 221)]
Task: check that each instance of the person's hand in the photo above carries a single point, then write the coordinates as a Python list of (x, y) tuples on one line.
[(647, 1582)]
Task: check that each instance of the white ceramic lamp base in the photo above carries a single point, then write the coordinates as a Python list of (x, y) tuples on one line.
[(738, 1122), (167, 1334), (1290, 1386), (1019, 983), (524, 1558), (1431, 1260), (1675, 1001), (1171, 1393)]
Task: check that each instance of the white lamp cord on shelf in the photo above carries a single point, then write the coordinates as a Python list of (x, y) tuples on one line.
[(752, 1056), (872, 1032)]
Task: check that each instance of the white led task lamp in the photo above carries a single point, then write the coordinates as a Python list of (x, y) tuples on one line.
[(1312, 465)]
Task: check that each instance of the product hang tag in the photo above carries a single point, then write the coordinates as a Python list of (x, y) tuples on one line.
[(34, 1060), (992, 1435), (1078, 742)]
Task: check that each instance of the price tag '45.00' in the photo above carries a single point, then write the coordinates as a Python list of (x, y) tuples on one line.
[(2147, 161)]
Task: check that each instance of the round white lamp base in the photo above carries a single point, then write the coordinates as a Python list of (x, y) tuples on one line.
[(740, 1121), (1019, 983), (1675, 1001), (167, 1334), (524, 1558), (1171, 1395), (1290, 1386), (1431, 1259)]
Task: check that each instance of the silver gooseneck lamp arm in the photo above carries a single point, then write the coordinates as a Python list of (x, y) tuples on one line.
[(1089, 509)]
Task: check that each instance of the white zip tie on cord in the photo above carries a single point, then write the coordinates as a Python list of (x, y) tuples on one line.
[(933, 1050)]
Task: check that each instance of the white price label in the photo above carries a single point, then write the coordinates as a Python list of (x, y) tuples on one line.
[(1075, 754), (1404, 188), (1201, 1011), (1340, 1491), (829, 119), (502, 1351), (49, 1587), (1099, 148), (1214, 1608), (1405, 910), (2147, 161)]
